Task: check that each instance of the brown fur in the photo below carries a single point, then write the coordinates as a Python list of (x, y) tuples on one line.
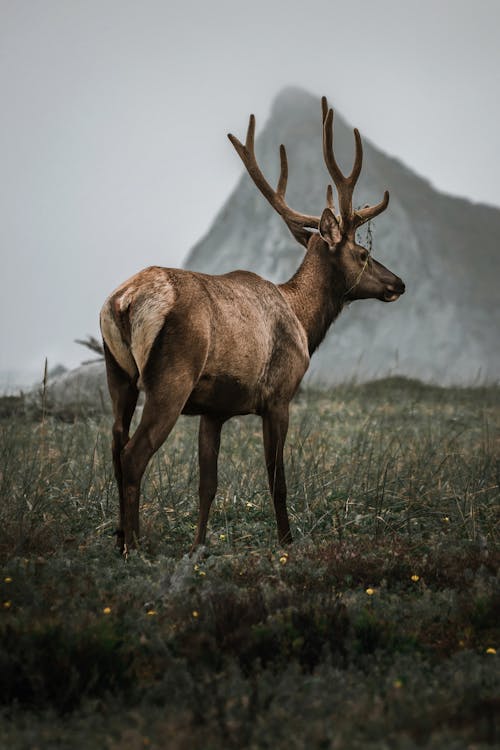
[(218, 346)]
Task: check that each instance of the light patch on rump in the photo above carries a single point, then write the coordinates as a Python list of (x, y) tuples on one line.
[(143, 302), (113, 338)]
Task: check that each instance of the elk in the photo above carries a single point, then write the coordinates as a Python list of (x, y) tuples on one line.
[(233, 344)]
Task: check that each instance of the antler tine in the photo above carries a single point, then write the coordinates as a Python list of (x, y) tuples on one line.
[(362, 215), (344, 184), (329, 198), (282, 182), (328, 154), (249, 141), (358, 159), (296, 222), (324, 107)]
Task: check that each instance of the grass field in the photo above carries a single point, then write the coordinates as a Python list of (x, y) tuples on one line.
[(377, 628)]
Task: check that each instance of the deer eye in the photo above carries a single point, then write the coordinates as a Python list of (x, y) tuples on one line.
[(363, 256)]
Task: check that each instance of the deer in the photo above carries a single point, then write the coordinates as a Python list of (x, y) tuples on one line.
[(218, 346)]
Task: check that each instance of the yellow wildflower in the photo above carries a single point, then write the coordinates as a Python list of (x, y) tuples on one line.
[(202, 573), (7, 605), (106, 611), (222, 536), (151, 612), (283, 559), (491, 650), (370, 592), (195, 613), (415, 578), (8, 579)]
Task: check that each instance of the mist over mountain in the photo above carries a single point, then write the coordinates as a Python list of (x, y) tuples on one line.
[(446, 249)]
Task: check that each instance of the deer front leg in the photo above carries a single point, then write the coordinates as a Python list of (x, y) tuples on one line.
[(275, 427), (208, 452)]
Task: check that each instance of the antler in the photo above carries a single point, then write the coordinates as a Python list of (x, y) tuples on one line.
[(345, 185), (297, 223)]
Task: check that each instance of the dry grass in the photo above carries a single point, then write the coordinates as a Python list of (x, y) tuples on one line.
[(375, 629)]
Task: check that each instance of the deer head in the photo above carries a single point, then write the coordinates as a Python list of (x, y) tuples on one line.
[(357, 274), (364, 277)]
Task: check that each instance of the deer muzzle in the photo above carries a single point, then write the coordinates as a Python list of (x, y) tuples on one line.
[(394, 290)]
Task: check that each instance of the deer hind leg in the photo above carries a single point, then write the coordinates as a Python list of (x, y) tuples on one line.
[(124, 395), (208, 452), (173, 366), (275, 428), (162, 408)]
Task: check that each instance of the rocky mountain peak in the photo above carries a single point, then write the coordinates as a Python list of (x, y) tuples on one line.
[(445, 328)]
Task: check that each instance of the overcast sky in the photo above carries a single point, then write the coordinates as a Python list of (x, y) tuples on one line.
[(114, 115)]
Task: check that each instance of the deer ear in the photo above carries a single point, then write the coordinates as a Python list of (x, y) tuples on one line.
[(329, 228)]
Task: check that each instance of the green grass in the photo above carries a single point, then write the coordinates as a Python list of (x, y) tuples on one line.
[(371, 631)]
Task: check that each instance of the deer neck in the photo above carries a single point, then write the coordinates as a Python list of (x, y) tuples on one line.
[(315, 293)]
